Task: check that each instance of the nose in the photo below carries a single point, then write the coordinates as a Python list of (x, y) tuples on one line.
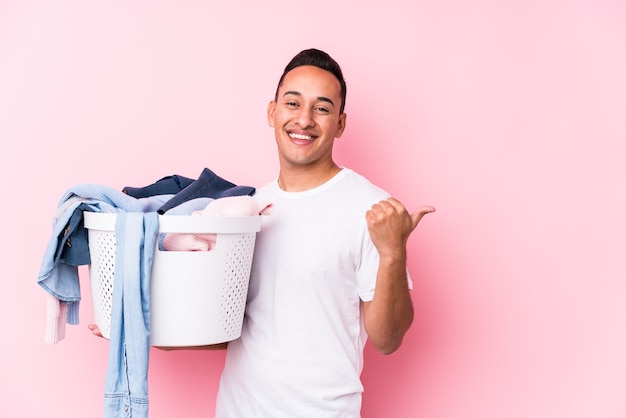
[(305, 118)]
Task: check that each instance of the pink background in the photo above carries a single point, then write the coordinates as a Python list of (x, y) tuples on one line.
[(506, 116)]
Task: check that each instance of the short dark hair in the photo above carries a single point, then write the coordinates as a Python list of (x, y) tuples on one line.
[(319, 59)]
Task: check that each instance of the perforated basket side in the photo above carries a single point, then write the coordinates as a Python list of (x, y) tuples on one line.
[(102, 275), (237, 274)]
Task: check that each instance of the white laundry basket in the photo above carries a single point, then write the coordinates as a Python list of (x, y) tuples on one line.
[(197, 297)]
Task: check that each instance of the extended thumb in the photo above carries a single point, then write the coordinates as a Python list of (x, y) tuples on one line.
[(419, 213)]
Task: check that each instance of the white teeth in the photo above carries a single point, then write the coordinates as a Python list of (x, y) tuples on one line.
[(298, 136)]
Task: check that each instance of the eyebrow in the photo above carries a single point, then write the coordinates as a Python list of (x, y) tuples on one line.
[(297, 93)]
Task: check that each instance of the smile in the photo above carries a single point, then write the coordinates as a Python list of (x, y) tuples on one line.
[(300, 136)]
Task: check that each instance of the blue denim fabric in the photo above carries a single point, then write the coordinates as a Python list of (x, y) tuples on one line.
[(126, 385), (72, 247), (56, 275)]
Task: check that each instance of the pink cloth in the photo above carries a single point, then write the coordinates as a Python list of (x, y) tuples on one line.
[(225, 206), (55, 315)]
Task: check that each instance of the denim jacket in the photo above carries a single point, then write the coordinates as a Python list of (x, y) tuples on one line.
[(126, 385)]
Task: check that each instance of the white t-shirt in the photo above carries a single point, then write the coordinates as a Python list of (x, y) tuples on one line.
[(301, 349)]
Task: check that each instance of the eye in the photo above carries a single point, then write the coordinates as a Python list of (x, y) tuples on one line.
[(321, 109), (291, 104)]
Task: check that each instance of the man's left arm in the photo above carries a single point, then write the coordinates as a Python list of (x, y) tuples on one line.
[(389, 314)]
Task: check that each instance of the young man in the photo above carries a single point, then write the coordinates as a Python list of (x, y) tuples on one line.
[(329, 268)]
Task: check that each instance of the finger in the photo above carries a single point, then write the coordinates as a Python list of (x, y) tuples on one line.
[(378, 209), (394, 203), (420, 213), (95, 330), (382, 206)]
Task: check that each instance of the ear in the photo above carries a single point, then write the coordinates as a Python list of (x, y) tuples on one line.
[(341, 125), (270, 113)]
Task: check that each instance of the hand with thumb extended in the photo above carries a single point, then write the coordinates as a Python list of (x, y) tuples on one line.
[(390, 224), (419, 213)]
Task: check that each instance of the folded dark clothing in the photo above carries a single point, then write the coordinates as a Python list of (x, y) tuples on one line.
[(72, 245), (167, 185), (209, 185)]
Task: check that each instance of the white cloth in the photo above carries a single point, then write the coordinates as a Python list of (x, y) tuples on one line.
[(301, 349)]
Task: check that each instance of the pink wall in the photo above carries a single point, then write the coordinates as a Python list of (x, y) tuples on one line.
[(506, 116)]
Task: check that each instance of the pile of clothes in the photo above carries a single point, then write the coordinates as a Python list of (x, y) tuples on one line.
[(137, 212)]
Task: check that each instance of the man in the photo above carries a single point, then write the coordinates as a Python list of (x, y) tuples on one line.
[(329, 269), (329, 265)]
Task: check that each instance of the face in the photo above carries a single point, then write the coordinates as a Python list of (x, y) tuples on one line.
[(306, 118)]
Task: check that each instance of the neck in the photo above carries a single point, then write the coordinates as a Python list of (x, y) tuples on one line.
[(301, 179)]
